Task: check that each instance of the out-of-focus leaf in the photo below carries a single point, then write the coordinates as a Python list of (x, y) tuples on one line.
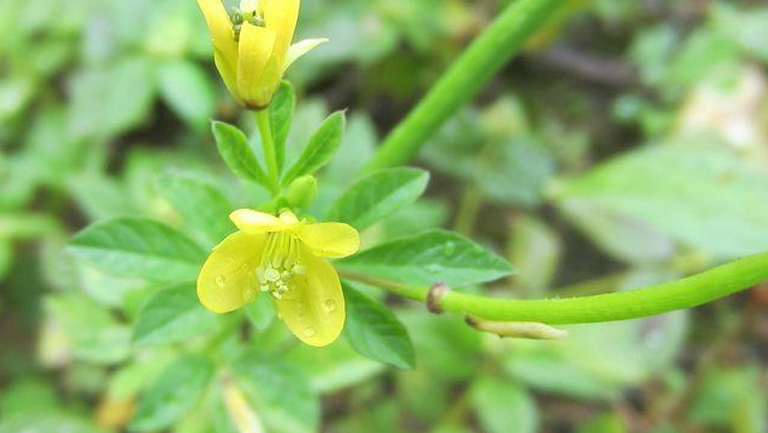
[(48, 423), (15, 94), (702, 52), (175, 392), (320, 149), (503, 406), (447, 348), (431, 257), (261, 313), (173, 314), (100, 197), (107, 101), (719, 399), (417, 217), (597, 362), (187, 90), (605, 423), (30, 397), (27, 226), (280, 395), (379, 195), (136, 247), (535, 250), (202, 205), (375, 332), (357, 147), (701, 196), (336, 367), (93, 333), (514, 171)]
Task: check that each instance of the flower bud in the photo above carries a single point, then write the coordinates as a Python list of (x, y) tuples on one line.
[(302, 191)]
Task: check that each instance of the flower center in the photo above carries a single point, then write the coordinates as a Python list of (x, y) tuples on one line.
[(251, 11), (280, 264)]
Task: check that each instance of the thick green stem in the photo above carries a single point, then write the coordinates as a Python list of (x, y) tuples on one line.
[(648, 301), (268, 144), (466, 77)]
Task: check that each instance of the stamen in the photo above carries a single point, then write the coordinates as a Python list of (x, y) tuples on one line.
[(250, 11), (280, 265)]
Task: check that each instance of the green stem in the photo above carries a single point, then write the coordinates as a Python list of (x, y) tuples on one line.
[(268, 144), (648, 301), (466, 77)]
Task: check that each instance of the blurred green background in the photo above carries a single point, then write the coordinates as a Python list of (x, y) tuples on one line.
[(626, 146)]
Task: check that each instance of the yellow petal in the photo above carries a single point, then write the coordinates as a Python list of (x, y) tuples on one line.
[(221, 30), (255, 222), (256, 45), (268, 84), (313, 308), (300, 48), (228, 272), (281, 16), (334, 240), (228, 74)]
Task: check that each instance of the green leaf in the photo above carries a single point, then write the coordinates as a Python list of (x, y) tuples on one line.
[(202, 205), (702, 196), (335, 368), (373, 331), (357, 147), (503, 406), (174, 393), (185, 87), (280, 117), (280, 394), (428, 258), (238, 154), (138, 247), (48, 423), (261, 313), (106, 101), (86, 328), (378, 196), (322, 145), (173, 314)]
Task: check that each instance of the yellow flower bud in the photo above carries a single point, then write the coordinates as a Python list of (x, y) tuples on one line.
[(252, 55)]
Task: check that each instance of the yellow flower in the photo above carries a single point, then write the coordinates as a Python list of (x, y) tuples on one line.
[(283, 257), (252, 49)]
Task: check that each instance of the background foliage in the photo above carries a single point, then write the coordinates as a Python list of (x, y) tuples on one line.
[(628, 145)]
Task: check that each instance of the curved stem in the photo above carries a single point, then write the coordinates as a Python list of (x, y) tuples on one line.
[(466, 77), (648, 301), (268, 144)]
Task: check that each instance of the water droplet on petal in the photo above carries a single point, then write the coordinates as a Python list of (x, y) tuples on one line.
[(329, 305), (221, 280), (309, 331)]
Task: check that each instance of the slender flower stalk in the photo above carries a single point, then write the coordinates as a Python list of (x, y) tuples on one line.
[(268, 144), (688, 292)]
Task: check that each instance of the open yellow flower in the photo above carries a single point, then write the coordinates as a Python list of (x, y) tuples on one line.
[(252, 48), (283, 257)]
